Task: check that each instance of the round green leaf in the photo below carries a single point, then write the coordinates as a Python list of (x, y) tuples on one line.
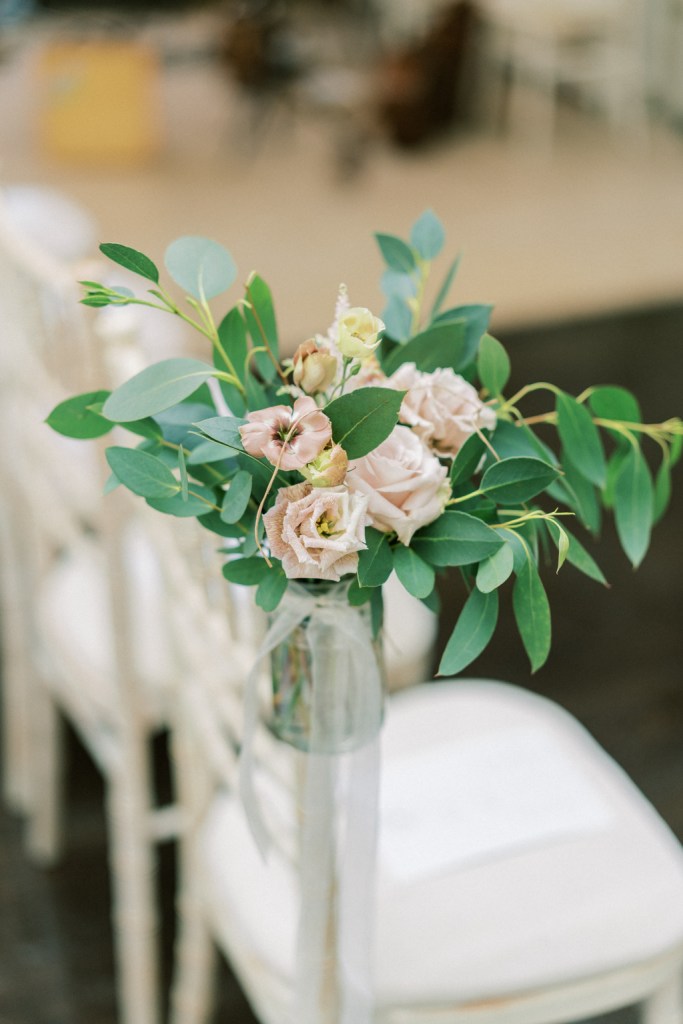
[(202, 267), (494, 365), (495, 569), (427, 235), (364, 418), (615, 403), (142, 473), (236, 497), (245, 571), (156, 388), (414, 573), (397, 254), (473, 630), (75, 418), (517, 479)]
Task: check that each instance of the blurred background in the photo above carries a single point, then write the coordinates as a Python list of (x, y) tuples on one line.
[(546, 135)]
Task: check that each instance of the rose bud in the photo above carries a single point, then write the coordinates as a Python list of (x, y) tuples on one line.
[(358, 333), (328, 469), (314, 368)]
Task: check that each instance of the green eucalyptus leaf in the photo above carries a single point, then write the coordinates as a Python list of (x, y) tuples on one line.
[(156, 389), (397, 254), (398, 319), (375, 563), (182, 468), (515, 542), (468, 458), (455, 538), (358, 595), (662, 491), (224, 430), (246, 571), (232, 334), (236, 498), (75, 418), (142, 473), (427, 235), (416, 575), (510, 439), (532, 614), (476, 317), (581, 439), (473, 630), (362, 419), (131, 259), (202, 267), (271, 589), (633, 506), (615, 403), (398, 284), (495, 569), (517, 479), (177, 423), (259, 313), (493, 364), (583, 495), (445, 287), (440, 346)]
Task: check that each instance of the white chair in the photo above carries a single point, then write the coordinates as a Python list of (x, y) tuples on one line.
[(594, 46), (523, 878), (73, 567)]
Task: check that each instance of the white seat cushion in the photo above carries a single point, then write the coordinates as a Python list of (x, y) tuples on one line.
[(75, 619), (528, 906)]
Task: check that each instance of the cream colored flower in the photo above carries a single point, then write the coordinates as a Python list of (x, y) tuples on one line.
[(358, 333), (317, 532), (329, 469), (314, 368), (405, 484), (441, 407)]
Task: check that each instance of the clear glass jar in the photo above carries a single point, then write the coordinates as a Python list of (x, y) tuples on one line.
[(328, 674)]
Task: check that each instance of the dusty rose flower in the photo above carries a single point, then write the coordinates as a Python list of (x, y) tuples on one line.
[(441, 407), (358, 333), (287, 437), (405, 484), (314, 368), (317, 532), (328, 469)]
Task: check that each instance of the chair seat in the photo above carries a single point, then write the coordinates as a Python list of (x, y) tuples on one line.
[(76, 626), (549, 898)]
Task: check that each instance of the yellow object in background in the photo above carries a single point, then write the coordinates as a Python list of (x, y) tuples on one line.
[(99, 101)]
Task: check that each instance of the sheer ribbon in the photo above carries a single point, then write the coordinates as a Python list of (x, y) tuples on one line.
[(333, 975)]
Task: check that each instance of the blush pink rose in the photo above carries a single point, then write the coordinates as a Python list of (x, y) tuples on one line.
[(287, 437), (317, 532), (441, 407), (405, 484)]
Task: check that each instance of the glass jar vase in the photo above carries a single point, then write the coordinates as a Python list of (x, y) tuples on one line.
[(328, 677)]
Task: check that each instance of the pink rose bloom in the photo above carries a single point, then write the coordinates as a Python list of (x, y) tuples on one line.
[(317, 532), (441, 407), (288, 438), (405, 484)]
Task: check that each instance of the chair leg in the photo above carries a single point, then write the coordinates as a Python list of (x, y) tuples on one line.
[(194, 963), (16, 677), (665, 1006), (134, 904), (45, 832)]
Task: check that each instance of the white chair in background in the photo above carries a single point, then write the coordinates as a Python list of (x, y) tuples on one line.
[(523, 878), (75, 568), (596, 47)]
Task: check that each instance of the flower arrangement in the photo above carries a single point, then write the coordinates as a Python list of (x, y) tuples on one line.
[(386, 444)]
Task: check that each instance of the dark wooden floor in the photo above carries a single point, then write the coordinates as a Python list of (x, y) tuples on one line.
[(617, 663)]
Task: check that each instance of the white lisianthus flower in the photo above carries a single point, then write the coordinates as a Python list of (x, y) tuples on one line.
[(317, 532), (358, 333), (441, 407), (405, 484)]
